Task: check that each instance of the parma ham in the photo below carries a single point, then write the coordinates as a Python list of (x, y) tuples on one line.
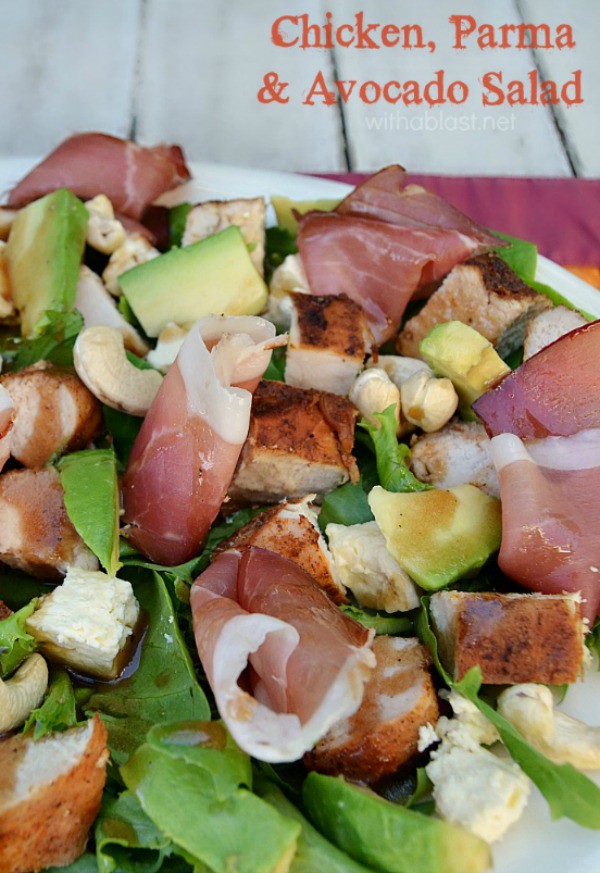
[(382, 243), (284, 663), (7, 415), (187, 449), (554, 393), (551, 513), (130, 175)]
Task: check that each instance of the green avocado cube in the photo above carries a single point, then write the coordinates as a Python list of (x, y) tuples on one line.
[(213, 276), (387, 836), (467, 358), (438, 536), (44, 253), (285, 208)]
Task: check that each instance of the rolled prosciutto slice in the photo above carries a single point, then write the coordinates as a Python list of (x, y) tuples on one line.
[(550, 493), (130, 175), (7, 415), (554, 393), (382, 243), (187, 449), (283, 662)]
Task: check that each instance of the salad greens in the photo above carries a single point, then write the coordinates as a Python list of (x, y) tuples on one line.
[(568, 792), (89, 480), (391, 456), (15, 642), (58, 710), (382, 623), (54, 342), (164, 685), (198, 793)]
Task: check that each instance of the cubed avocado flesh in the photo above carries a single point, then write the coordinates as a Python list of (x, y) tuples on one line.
[(438, 536), (467, 358), (284, 207), (387, 836), (213, 276), (44, 253)]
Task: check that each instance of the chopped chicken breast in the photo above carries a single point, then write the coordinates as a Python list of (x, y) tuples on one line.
[(50, 793), (215, 215), (366, 567), (384, 732), (36, 534), (483, 293), (291, 530), (459, 454), (327, 344), (512, 637), (55, 413), (549, 326), (299, 442)]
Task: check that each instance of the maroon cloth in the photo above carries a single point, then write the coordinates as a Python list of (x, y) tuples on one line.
[(562, 216)]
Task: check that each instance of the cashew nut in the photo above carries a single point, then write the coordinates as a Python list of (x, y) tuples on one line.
[(104, 232), (428, 402), (20, 694), (561, 738), (101, 364), (373, 391), (98, 307), (135, 250), (399, 368)]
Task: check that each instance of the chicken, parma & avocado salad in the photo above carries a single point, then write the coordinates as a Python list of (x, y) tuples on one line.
[(297, 528)]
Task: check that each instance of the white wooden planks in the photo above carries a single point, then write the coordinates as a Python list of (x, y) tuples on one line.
[(530, 146), (580, 125), (66, 65), (202, 63)]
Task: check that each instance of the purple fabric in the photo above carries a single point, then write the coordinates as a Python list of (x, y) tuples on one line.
[(562, 216)]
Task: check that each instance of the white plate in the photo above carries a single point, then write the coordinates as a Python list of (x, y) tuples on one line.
[(535, 844)]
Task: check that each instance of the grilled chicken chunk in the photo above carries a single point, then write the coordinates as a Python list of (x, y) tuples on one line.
[(55, 413), (36, 534), (384, 733), (50, 792), (549, 326), (216, 215), (327, 345), (483, 293), (291, 530), (299, 442), (459, 454), (513, 637)]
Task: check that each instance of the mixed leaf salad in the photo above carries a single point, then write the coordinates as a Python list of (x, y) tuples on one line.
[(180, 793)]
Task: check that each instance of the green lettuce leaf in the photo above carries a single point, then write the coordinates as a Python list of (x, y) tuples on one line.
[(15, 642), (126, 839), (53, 343), (382, 623), (391, 456), (568, 792), (520, 255), (123, 429), (279, 243), (216, 820), (163, 688), (89, 479), (177, 220), (58, 711)]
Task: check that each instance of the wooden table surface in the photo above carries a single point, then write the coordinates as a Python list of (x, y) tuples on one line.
[(188, 71)]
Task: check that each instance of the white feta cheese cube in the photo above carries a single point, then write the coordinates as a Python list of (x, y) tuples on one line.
[(85, 622)]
